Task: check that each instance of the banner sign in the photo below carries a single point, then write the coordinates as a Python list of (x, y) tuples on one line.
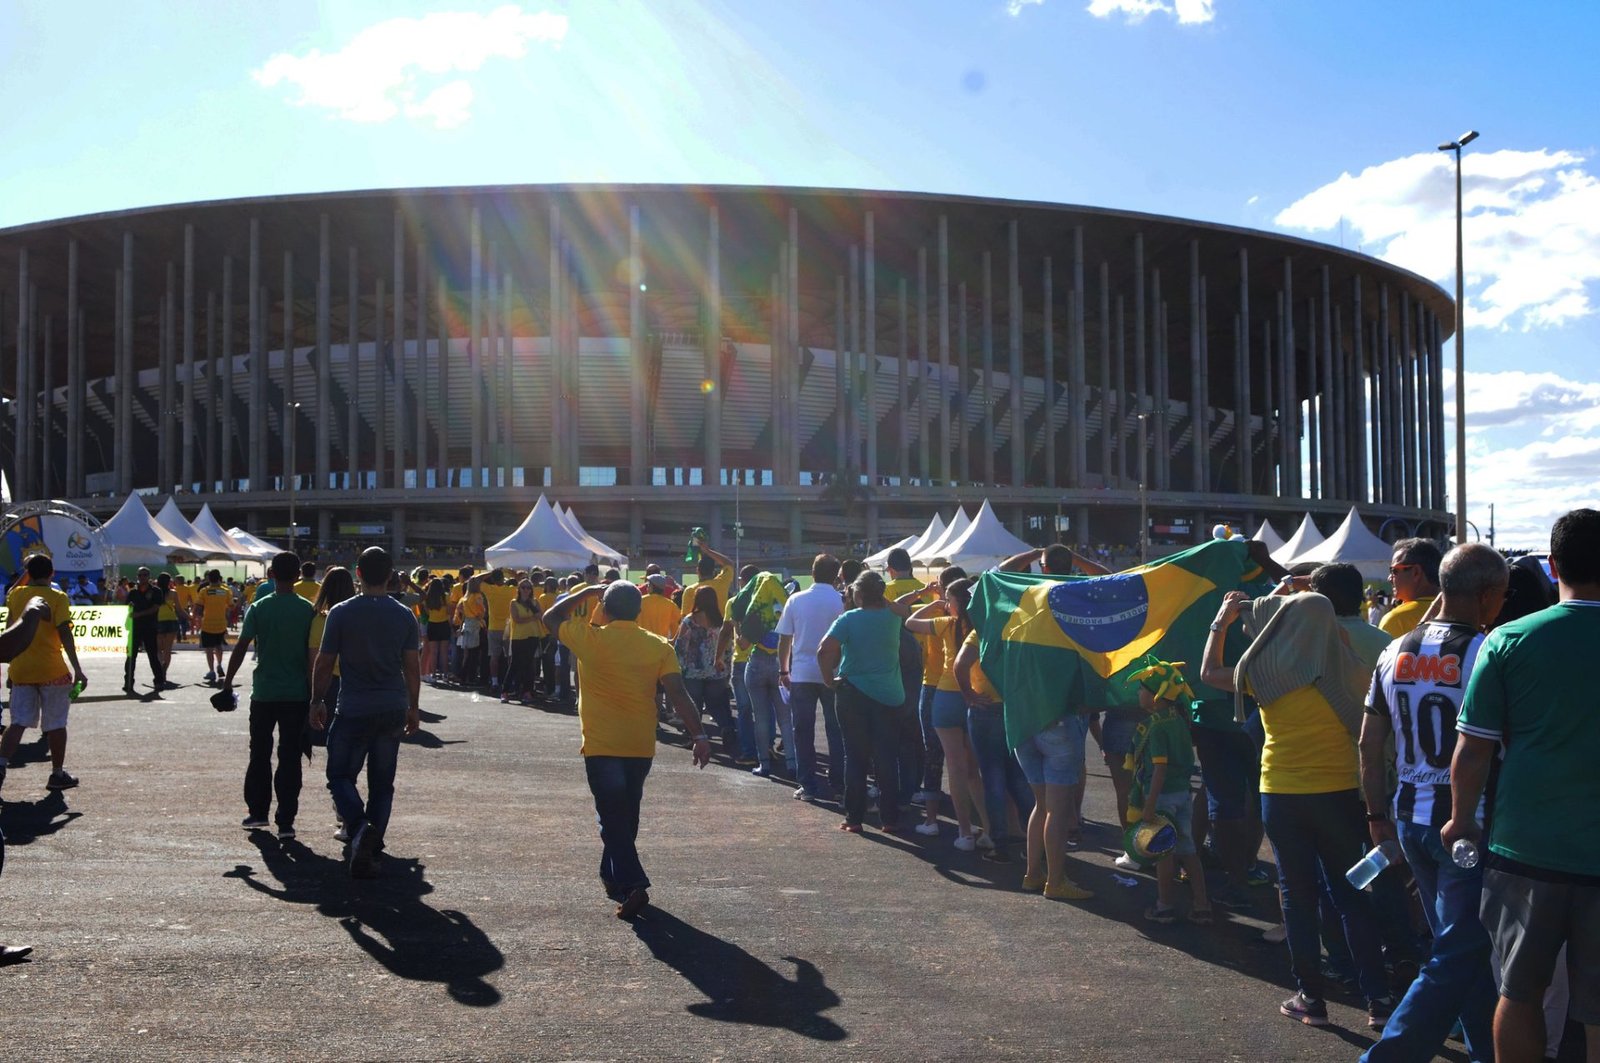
[(95, 628), (69, 543)]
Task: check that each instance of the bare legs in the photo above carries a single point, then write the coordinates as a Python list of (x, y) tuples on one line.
[(966, 787)]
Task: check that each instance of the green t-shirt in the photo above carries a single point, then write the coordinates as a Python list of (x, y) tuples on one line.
[(1216, 713), (1162, 736), (1530, 690), (870, 661), (280, 626)]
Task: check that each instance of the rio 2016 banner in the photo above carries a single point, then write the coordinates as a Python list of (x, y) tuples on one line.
[(95, 628)]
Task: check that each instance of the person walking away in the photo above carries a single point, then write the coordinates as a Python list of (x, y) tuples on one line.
[(701, 644), (213, 602), (307, 586), (373, 640), (43, 673), (15, 640), (1530, 698), (1414, 571), (859, 657), (619, 666), (472, 616), (166, 626), (755, 612), (280, 624), (1415, 699), (807, 615), (1310, 686), (437, 629), (1159, 766), (657, 613), (144, 603), (337, 585), (498, 594)]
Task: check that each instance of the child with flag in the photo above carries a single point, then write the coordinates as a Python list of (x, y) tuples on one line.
[(1161, 761)]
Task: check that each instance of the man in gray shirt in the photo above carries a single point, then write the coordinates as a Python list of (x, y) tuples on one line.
[(374, 639)]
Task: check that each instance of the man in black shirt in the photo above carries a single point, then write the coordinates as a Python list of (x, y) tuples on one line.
[(144, 602)]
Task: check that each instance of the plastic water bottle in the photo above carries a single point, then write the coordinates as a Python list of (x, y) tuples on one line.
[(1371, 866), (1464, 854)]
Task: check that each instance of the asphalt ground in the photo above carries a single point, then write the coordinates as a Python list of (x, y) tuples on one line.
[(163, 931)]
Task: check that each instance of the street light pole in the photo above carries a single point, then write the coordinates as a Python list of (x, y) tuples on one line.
[(1461, 382), (294, 408)]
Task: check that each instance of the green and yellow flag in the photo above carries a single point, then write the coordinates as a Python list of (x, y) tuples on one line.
[(1054, 643)]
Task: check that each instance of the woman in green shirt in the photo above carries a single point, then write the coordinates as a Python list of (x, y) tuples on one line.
[(860, 660)]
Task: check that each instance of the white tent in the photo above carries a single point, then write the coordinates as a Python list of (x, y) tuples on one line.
[(929, 536), (1351, 543), (881, 558), (951, 533), (541, 539), (264, 550), (1269, 535), (141, 541), (205, 522), (207, 547), (984, 544), (596, 547), (1305, 537)]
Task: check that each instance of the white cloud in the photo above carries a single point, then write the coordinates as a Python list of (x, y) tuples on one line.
[(1187, 12), (1252, 201), (1014, 7), (1531, 228), (395, 68)]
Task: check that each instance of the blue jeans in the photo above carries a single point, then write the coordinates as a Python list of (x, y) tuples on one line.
[(932, 748), (761, 684), (1457, 981), (747, 724), (871, 736), (1002, 774), (1308, 831), (617, 784), (374, 741), (710, 696), (803, 701)]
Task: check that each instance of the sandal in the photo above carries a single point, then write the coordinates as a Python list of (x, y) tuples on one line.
[(850, 828), (1158, 914), (1200, 917)]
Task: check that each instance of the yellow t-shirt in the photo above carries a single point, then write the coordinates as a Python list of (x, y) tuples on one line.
[(440, 615), (619, 666), (721, 583), (1404, 617), (944, 636), (456, 591), (903, 585), (44, 662), (500, 597), (314, 639), (185, 595), (168, 610), (471, 607), (977, 680), (255, 589), (215, 601), (659, 616), (307, 589), (524, 623), (1308, 751)]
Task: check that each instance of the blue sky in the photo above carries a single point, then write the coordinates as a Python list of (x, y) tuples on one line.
[(1287, 116)]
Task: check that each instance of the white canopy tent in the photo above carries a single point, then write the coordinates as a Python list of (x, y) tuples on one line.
[(208, 547), (881, 558), (984, 544), (141, 541), (927, 537), (1305, 537), (1352, 544), (596, 547), (951, 533), (1269, 535), (206, 523), (264, 550), (541, 539)]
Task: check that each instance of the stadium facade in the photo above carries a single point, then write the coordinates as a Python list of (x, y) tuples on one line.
[(417, 365)]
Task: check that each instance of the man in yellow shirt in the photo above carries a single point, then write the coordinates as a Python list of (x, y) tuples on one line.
[(213, 602), (42, 676), (1414, 571), (657, 613), (308, 586), (184, 593), (619, 666), (715, 569), (499, 593)]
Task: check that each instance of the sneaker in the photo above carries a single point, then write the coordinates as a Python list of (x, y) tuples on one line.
[(1378, 1012), (211, 677), (966, 843), (802, 794), (1161, 914), (1276, 935), (364, 852), (1258, 876), (1067, 890), (1124, 862), (929, 829), (996, 854), (341, 835), (1307, 1010), (254, 823), (1033, 883), (982, 837), (761, 771), (634, 903), (920, 797), (285, 833), (60, 780), (1232, 898)]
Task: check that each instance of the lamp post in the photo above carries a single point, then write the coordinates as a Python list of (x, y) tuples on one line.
[(1461, 383), (289, 475), (1144, 495)]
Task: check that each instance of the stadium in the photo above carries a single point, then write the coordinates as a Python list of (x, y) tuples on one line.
[(415, 367)]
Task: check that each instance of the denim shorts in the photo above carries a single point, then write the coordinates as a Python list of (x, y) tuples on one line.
[(1054, 756), (1116, 733), (949, 709), (1180, 809), (1231, 770)]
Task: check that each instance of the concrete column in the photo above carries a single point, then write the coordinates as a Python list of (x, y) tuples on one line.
[(1080, 400), (1375, 408), (420, 381), (903, 391), (506, 400), (924, 377), (853, 369), (638, 371), (712, 474), (1436, 378), (256, 430), (213, 395), (1313, 431), (187, 465), (987, 340), (398, 346), (1424, 413), (1408, 400), (841, 380), (324, 445), (946, 440), (1122, 393), (290, 418), (1292, 381), (324, 524), (28, 396), (1048, 284), (1243, 425), (1019, 435), (168, 419), (47, 359), (442, 361), (226, 358), (558, 395), (1140, 377), (1332, 466), (636, 530), (1205, 393), (352, 361), (791, 367), (1339, 441), (1157, 431), (1197, 432), (125, 375), (1107, 417), (869, 277), (1357, 395), (475, 350), (777, 286), (397, 534), (120, 373), (1269, 425), (74, 485), (1385, 442), (963, 388), (380, 387)]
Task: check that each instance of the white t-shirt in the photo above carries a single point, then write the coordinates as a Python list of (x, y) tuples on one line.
[(807, 617)]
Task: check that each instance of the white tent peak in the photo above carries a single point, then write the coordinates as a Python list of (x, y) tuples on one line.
[(1269, 535), (951, 533), (984, 544), (140, 540), (206, 523), (911, 544), (1352, 544), (579, 532), (172, 519), (541, 539), (1304, 538)]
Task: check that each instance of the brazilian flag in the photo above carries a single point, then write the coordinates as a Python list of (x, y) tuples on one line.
[(1053, 643)]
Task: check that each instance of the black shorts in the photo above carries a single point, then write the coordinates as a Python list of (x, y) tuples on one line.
[(438, 631), (213, 640), (1529, 920), (166, 627)]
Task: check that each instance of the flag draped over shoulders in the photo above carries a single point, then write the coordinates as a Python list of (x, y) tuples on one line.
[(1054, 643)]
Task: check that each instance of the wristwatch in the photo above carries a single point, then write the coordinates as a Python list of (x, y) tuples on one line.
[(1216, 625), (1377, 817)]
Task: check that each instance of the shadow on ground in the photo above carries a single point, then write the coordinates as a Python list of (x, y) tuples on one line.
[(24, 821), (385, 917), (739, 986)]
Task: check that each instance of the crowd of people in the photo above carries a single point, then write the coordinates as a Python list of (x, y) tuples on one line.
[(1456, 737)]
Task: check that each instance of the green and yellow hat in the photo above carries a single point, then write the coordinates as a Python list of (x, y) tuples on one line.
[(1164, 679)]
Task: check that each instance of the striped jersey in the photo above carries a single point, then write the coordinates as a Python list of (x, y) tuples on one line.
[(1418, 685)]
